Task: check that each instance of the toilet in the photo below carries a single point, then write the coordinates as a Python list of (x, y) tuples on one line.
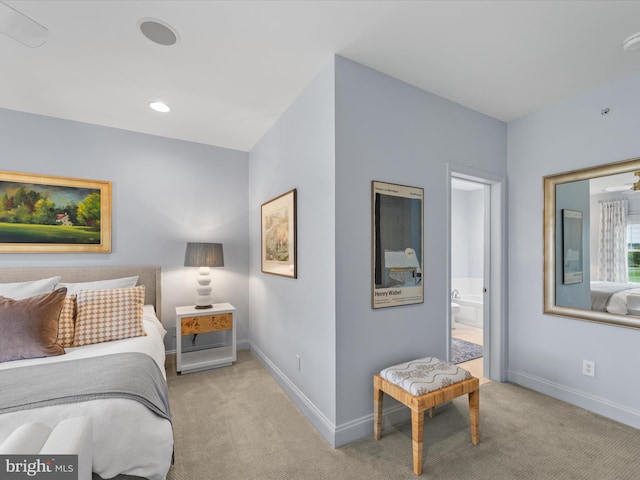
[(455, 309)]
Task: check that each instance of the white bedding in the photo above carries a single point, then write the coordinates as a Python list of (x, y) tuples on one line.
[(127, 437), (618, 301)]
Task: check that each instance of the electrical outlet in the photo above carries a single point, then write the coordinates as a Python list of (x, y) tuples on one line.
[(298, 358), (589, 368)]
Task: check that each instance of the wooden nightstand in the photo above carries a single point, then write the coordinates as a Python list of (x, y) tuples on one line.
[(189, 321)]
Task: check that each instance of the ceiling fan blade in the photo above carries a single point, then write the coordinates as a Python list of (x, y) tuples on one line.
[(18, 26)]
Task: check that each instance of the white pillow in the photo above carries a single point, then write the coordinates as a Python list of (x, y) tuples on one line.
[(149, 315), (124, 282), (20, 290)]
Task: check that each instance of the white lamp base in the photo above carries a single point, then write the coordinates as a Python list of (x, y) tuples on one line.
[(203, 299)]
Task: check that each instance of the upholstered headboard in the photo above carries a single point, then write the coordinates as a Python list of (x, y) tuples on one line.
[(149, 276)]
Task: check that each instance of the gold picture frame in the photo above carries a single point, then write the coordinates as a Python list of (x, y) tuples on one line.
[(49, 214), (279, 237)]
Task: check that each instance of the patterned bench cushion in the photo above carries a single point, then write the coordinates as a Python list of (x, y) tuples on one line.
[(424, 375)]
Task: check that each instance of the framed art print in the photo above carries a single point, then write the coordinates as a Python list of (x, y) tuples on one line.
[(279, 249)]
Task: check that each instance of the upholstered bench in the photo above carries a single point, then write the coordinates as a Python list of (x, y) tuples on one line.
[(422, 385)]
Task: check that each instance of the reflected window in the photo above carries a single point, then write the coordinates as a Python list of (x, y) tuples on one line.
[(633, 248)]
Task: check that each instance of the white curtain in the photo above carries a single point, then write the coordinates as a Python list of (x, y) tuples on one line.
[(612, 241)]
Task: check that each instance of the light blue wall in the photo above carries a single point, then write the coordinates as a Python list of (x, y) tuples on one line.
[(384, 130), (546, 352), (390, 131), (573, 196), (296, 317), (165, 192)]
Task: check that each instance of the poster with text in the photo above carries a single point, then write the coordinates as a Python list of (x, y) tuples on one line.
[(397, 245)]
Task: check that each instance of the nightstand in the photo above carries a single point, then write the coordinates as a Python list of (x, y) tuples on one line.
[(190, 321)]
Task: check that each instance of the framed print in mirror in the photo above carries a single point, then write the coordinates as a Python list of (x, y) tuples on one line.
[(47, 214), (571, 246), (279, 249), (397, 245)]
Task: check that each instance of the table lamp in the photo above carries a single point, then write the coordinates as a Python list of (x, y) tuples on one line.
[(204, 255)]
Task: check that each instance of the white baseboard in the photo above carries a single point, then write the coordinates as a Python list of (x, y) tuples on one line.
[(336, 436), (306, 406), (363, 427), (602, 406)]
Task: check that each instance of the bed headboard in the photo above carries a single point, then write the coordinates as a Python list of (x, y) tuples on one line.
[(149, 276)]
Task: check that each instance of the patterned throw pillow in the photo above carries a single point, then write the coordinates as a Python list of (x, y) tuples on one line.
[(105, 315), (67, 322)]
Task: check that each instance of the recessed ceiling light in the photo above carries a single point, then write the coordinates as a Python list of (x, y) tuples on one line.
[(632, 42), (158, 31), (160, 107)]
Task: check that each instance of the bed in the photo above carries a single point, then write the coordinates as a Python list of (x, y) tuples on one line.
[(618, 298), (130, 437)]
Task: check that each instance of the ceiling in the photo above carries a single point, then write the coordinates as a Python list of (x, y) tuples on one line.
[(622, 181), (239, 64)]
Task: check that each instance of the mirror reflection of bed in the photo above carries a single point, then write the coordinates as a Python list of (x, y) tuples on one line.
[(618, 298), (612, 242)]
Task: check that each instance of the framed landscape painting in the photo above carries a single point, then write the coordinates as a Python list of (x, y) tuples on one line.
[(47, 214), (279, 249)]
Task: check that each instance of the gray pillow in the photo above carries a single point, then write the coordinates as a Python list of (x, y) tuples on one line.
[(29, 327)]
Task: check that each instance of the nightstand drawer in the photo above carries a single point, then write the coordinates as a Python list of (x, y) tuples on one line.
[(206, 323)]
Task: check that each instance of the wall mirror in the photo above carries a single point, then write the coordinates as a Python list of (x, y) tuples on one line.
[(592, 244)]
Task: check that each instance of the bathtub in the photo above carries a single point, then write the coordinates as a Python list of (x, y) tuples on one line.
[(470, 312)]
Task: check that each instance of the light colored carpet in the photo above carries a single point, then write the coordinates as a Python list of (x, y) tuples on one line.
[(235, 423)]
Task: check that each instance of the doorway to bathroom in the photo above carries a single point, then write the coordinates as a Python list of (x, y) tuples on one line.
[(476, 272), (467, 274)]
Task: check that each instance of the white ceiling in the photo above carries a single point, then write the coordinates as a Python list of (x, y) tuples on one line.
[(599, 184), (240, 64)]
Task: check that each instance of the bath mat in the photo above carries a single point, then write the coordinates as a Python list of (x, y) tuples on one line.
[(463, 351)]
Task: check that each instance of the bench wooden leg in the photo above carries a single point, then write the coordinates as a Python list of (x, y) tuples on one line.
[(417, 434), (474, 416), (418, 405), (377, 413)]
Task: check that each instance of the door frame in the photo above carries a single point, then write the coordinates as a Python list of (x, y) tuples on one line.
[(495, 268)]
